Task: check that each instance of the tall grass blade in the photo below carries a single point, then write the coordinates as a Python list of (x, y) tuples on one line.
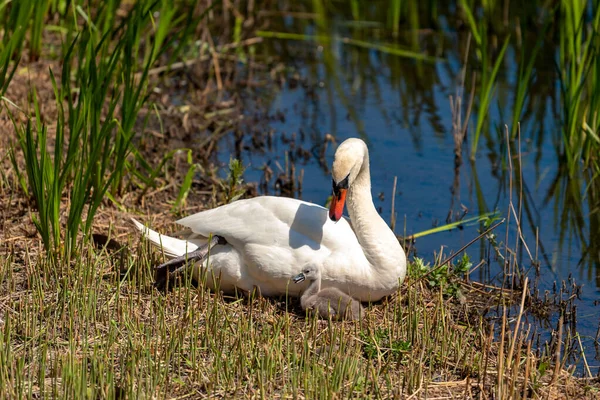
[(487, 90)]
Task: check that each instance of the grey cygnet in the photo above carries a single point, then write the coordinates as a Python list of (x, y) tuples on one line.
[(329, 301)]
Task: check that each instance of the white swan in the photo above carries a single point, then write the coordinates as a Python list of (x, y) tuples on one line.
[(270, 238)]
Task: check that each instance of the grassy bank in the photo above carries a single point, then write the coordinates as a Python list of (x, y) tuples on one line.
[(101, 330), (116, 108)]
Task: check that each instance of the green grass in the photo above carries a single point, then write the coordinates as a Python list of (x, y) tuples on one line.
[(489, 73), (577, 24), (103, 86), (15, 23), (92, 333)]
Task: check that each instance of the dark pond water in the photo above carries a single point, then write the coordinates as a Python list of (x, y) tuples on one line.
[(401, 107)]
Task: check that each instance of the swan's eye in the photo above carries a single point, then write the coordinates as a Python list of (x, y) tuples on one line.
[(342, 185), (307, 271)]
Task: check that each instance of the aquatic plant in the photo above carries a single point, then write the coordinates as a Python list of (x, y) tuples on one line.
[(102, 76)]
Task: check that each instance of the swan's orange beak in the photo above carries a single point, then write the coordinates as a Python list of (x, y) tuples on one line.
[(336, 208)]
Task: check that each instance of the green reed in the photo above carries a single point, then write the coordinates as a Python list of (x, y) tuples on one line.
[(580, 84), (15, 20), (103, 86)]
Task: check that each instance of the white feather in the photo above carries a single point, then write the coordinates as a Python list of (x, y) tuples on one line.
[(170, 246)]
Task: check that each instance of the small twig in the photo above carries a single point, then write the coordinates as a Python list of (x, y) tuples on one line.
[(470, 104), (188, 63), (510, 188), (511, 205), (416, 392), (487, 347), (512, 345), (177, 65), (520, 231), (528, 363), (393, 218), (475, 268), (492, 287), (587, 366), (500, 378), (557, 352), (215, 60)]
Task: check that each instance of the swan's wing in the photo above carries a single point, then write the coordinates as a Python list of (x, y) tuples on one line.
[(326, 310), (274, 222), (277, 236)]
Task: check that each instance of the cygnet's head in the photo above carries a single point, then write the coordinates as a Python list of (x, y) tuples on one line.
[(310, 273), (347, 163)]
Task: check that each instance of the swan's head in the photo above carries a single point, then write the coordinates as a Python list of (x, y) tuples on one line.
[(310, 272), (347, 163)]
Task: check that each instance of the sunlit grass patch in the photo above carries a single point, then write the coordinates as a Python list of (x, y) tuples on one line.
[(96, 332)]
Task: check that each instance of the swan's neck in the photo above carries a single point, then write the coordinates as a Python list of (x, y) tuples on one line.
[(313, 288), (379, 243)]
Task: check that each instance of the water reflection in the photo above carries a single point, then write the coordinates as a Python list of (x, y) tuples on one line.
[(401, 107), (344, 82)]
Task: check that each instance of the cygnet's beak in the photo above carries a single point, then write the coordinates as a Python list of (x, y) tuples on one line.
[(336, 208), (299, 278)]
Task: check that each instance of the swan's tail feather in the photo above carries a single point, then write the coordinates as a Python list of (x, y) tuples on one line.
[(171, 247)]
